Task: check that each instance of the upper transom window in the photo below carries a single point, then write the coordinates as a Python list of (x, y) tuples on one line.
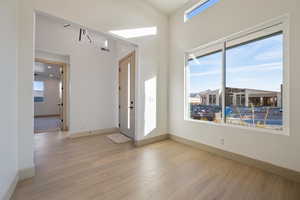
[(198, 8)]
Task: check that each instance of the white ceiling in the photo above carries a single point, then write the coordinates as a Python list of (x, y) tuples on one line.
[(168, 6)]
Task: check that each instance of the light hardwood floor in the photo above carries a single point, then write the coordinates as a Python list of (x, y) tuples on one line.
[(92, 168)]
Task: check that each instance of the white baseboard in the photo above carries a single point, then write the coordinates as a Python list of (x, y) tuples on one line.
[(283, 172), (92, 133), (151, 140), (26, 173), (11, 188)]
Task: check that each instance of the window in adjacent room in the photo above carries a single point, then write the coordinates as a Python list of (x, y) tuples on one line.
[(38, 91)]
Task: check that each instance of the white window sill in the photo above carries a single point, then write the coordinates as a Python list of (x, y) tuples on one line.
[(284, 132)]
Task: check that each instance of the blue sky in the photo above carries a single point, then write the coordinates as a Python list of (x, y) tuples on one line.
[(38, 85), (257, 65), (201, 8)]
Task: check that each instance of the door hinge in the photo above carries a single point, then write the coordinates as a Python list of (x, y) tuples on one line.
[(119, 107), (119, 69), (119, 88), (119, 125)]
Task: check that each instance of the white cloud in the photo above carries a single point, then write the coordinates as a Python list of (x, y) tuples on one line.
[(260, 67), (269, 56), (247, 68), (206, 73)]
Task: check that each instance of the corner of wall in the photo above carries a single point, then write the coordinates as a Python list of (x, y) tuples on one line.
[(11, 188), (26, 173)]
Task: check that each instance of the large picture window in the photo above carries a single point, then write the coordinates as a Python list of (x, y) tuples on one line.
[(205, 87), (241, 83), (254, 74)]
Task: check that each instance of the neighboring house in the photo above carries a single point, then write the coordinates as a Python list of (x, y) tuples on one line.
[(239, 97)]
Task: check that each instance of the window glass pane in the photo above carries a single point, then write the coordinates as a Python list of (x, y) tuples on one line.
[(204, 82), (38, 85), (201, 8), (38, 90), (254, 73)]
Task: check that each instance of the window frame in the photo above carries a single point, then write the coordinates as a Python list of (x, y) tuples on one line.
[(280, 24)]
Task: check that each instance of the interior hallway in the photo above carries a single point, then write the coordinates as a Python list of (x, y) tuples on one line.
[(43, 124), (95, 168)]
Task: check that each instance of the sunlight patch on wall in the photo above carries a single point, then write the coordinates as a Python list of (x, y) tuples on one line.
[(134, 33), (150, 105)]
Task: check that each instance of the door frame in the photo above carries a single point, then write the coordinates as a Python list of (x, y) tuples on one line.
[(134, 54), (65, 91)]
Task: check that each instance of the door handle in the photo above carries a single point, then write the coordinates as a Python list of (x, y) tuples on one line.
[(131, 107)]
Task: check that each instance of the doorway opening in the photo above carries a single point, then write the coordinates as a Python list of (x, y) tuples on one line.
[(50, 95), (93, 105)]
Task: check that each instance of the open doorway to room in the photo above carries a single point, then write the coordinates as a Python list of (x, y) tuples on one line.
[(49, 91), (93, 61)]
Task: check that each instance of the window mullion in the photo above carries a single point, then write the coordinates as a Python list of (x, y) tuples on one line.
[(223, 82)]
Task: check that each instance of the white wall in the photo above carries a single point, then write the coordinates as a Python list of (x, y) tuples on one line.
[(123, 50), (93, 75), (103, 15), (223, 19), (52, 56), (8, 100), (51, 98), (25, 97)]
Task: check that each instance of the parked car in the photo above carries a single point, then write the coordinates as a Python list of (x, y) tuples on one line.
[(204, 112)]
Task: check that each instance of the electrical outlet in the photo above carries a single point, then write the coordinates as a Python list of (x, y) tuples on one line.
[(222, 141)]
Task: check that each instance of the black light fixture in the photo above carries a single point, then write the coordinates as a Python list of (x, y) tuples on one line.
[(67, 25), (105, 49), (84, 32)]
